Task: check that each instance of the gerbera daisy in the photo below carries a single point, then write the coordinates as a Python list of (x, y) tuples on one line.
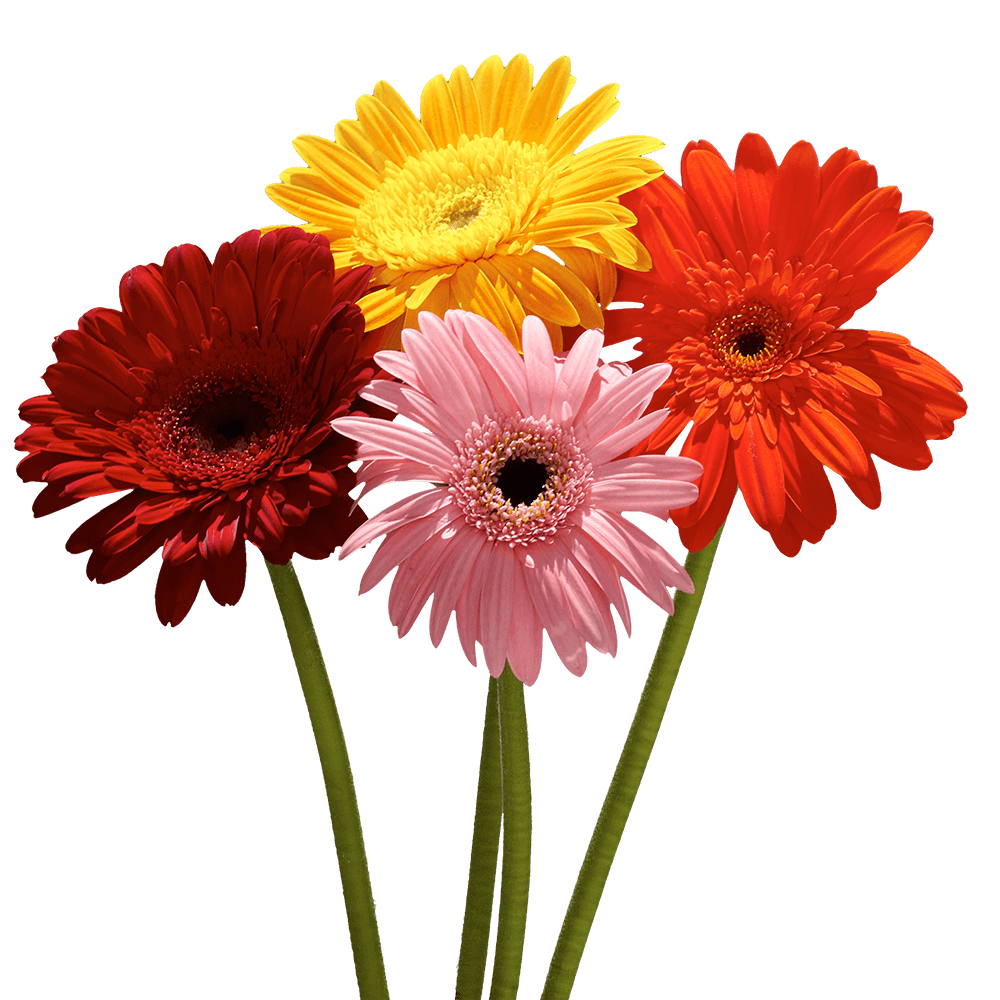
[(523, 531), (449, 209), (755, 273), (208, 397)]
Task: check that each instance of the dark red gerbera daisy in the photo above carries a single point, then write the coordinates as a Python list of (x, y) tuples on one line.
[(209, 398)]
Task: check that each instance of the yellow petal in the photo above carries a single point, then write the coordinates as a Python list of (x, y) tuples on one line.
[(438, 113), (511, 96), (487, 84), (405, 118), (618, 245), (346, 172), (473, 290), (614, 150), (565, 223), (545, 102), (590, 185), (311, 179), (420, 292), (383, 306), (351, 136), (548, 289), (580, 121), (384, 131), (463, 93), (313, 207), (599, 274)]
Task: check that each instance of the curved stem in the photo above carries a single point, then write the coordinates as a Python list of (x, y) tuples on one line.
[(339, 783), (483, 863), (516, 781), (625, 783)]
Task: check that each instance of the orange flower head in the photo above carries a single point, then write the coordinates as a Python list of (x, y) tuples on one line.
[(755, 272)]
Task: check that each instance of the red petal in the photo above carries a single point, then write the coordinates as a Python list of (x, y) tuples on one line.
[(825, 435), (755, 171), (794, 201), (712, 186), (176, 588), (762, 482)]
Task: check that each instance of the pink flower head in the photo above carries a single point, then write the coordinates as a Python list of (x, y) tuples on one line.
[(524, 532)]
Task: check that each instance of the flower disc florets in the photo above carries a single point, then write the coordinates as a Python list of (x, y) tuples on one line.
[(450, 208), (207, 399), (223, 427), (519, 478), (756, 273), (523, 533), (446, 206), (747, 338)]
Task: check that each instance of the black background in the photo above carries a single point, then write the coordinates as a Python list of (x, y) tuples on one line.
[(811, 781)]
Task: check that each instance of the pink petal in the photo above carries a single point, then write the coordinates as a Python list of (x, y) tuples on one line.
[(397, 440), (415, 581), (438, 360), (468, 545), (652, 466), (576, 374), (618, 400), (499, 364), (653, 496), (621, 440), (539, 365), (400, 513), (398, 364), (495, 608), (524, 646)]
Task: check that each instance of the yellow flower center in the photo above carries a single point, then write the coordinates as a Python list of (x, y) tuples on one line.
[(447, 206)]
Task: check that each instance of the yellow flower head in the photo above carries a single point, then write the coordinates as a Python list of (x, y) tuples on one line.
[(449, 208)]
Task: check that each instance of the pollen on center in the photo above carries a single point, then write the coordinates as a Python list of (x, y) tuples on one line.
[(461, 217)]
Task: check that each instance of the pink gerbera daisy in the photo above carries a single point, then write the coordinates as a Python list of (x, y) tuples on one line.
[(522, 531)]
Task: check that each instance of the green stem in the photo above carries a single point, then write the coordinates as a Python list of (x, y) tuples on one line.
[(514, 875), (625, 783), (339, 783), (483, 863)]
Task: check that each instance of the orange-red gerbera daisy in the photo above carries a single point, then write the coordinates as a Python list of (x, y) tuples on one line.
[(755, 272), (209, 398)]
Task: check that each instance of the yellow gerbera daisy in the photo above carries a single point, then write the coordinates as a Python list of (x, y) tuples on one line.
[(449, 208)]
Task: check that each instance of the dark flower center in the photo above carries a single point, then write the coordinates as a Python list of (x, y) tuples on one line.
[(521, 480), (220, 429), (751, 342), (747, 338), (229, 421)]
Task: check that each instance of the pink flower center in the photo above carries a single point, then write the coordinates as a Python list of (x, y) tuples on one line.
[(519, 478)]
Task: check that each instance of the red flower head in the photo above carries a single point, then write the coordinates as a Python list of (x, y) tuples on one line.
[(209, 398), (755, 271)]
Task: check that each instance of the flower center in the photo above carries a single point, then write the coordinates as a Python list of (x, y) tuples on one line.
[(747, 337), (461, 217), (229, 421), (519, 478), (222, 429), (447, 206)]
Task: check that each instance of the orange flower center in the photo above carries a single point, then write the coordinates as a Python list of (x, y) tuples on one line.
[(747, 338)]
